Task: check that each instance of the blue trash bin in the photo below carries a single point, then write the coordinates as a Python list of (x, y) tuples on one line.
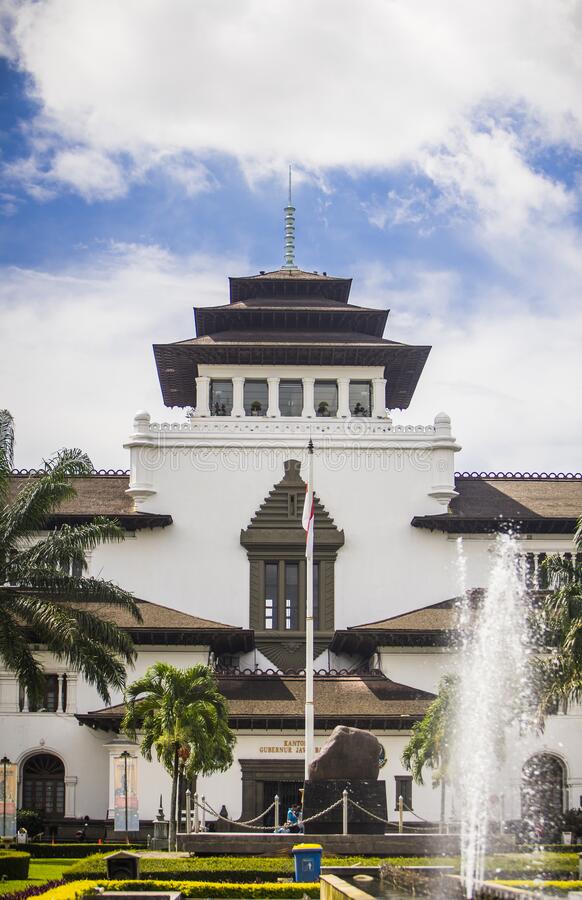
[(307, 861)]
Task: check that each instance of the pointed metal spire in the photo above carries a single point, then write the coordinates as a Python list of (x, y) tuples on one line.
[(290, 231)]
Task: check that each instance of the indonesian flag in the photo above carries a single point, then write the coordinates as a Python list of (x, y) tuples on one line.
[(308, 519)]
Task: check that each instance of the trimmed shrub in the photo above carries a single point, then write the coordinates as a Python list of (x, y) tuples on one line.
[(14, 864), (32, 890), (78, 889), (32, 820), (76, 851), (551, 886)]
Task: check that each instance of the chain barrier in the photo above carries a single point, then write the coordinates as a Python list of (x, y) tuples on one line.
[(387, 821), (248, 823), (213, 812)]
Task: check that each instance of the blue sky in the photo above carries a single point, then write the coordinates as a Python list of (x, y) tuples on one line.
[(436, 150)]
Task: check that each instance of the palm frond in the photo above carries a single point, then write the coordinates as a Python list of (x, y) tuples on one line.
[(69, 544)]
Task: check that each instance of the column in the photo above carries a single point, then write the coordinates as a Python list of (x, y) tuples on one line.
[(273, 410), (71, 707), (343, 398), (59, 693), (308, 411), (238, 396), (202, 395), (379, 398), (70, 792)]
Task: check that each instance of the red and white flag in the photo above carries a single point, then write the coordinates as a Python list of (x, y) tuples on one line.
[(308, 519)]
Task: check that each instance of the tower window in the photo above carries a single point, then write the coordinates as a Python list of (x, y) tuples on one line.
[(256, 398), (221, 397), (360, 398), (291, 398), (291, 596), (325, 393), (271, 597)]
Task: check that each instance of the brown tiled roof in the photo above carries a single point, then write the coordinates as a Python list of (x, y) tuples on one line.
[(346, 698), (437, 617), (529, 504), (297, 274), (98, 495), (155, 616)]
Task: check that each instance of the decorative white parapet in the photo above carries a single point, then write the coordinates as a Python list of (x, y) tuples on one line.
[(443, 466), (139, 444)]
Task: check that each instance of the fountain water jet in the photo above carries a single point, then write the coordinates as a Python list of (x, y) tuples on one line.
[(493, 694)]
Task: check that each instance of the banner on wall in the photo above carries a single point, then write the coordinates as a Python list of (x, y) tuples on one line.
[(8, 795), (126, 812)]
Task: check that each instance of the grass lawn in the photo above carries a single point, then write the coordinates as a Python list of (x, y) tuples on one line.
[(41, 870)]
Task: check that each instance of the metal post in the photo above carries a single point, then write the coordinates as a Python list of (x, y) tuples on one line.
[(188, 811), (196, 826), (125, 757), (5, 763), (400, 814), (309, 525), (203, 814), (501, 813), (344, 811), (276, 812)]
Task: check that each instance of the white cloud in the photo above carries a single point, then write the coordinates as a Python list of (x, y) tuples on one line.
[(94, 175), (79, 362), (337, 83)]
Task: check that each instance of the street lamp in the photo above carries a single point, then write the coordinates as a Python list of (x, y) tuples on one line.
[(125, 756), (5, 763)]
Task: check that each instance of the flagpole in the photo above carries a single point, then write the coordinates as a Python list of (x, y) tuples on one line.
[(309, 709)]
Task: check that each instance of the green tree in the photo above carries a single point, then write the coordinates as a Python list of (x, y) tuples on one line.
[(38, 598), (431, 738), (559, 665), (181, 714)]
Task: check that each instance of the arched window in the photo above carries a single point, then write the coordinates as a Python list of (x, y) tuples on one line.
[(43, 784), (542, 795), (275, 544)]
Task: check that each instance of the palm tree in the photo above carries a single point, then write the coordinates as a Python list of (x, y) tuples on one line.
[(38, 598), (180, 714), (559, 668), (431, 738)]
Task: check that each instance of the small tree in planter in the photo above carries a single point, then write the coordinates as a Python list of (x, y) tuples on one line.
[(323, 408), (256, 408)]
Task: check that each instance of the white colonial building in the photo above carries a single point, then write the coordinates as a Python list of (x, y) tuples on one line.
[(214, 549)]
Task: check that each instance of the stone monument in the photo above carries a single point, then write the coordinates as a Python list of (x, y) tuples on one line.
[(350, 760)]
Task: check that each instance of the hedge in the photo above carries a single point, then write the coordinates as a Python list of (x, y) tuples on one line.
[(78, 850), (14, 864), (222, 868), (544, 885), (78, 889)]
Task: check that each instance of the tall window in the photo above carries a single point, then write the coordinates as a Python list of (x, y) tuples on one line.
[(43, 784), (291, 398), (291, 596), (360, 398), (403, 789), (284, 596), (220, 397), (256, 398), (325, 393), (271, 596), (52, 699)]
